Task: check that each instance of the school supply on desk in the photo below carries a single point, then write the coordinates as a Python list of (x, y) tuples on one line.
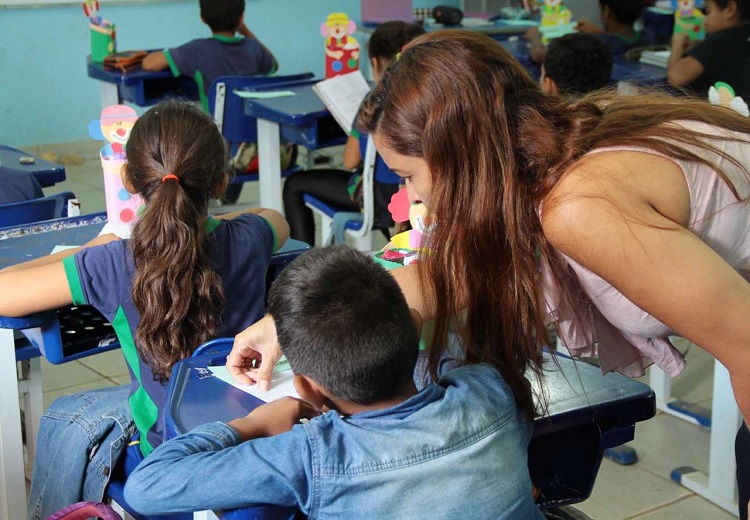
[(282, 383), (342, 96), (341, 48), (102, 32), (269, 94), (124, 60), (657, 58)]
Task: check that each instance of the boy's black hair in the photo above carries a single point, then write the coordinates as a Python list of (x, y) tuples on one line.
[(343, 321), (624, 11), (743, 7), (222, 15), (578, 63), (389, 37)]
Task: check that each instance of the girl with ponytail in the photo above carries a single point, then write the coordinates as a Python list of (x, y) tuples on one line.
[(182, 278)]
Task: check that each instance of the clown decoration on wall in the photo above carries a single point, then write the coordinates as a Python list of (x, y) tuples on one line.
[(342, 49)]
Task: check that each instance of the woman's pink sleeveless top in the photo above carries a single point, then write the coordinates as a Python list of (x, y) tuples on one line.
[(593, 318)]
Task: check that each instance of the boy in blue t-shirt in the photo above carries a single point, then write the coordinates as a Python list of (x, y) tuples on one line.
[(224, 54), (373, 444), (18, 186), (618, 19)]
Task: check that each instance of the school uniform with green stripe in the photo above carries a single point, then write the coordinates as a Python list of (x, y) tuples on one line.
[(239, 251), (206, 59)]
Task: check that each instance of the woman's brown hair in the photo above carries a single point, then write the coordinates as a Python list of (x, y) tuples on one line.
[(495, 146), (178, 295)]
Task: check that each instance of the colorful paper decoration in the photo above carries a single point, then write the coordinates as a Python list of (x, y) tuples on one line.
[(342, 49), (114, 126), (555, 13), (408, 244), (722, 94), (689, 20)]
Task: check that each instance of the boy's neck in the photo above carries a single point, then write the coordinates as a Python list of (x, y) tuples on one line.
[(226, 34), (621, 29), (344, 407)]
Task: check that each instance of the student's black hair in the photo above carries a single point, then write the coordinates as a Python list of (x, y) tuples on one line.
[(578, 63), (222, 15), (343, 321), (624, 11), (743, 7), (389, 37)]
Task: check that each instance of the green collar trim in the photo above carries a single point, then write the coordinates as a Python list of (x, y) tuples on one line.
[(228, 39)]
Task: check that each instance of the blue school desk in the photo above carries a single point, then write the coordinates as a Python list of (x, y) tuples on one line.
[(61, 336), (138, 86), (301, 118), (47, 173), (587, 414)]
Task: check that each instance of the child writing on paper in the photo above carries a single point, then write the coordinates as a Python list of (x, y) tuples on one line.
[(339, 187), (351, 340), (181, 279), (723, 56), (619, 32)]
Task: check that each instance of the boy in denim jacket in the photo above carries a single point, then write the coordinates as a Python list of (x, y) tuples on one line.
[(373, 444)]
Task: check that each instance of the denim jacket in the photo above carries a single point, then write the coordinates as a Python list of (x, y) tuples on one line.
[(457, 449), (81, 438)]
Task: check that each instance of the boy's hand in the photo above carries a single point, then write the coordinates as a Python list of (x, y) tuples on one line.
[(255, 353), (680, 42), (533, 34), (273, 418), (586, 26)]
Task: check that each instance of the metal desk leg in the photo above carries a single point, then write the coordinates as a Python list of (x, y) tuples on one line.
[(270, 165), (720, 485), (109, 94), (33, 405), (12, 478)]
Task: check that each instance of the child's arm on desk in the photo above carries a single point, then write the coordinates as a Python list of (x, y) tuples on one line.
[(40, 284), (273, 418), (155, 61), (682, 69)]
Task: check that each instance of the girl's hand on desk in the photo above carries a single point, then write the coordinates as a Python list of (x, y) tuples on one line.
[(273, 418), (255, 353)]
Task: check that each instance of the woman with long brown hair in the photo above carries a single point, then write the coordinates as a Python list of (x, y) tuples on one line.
[(621, 219)]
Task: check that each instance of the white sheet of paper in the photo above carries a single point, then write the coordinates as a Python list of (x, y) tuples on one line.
[(57, 249), (269, 94), (281, 386)]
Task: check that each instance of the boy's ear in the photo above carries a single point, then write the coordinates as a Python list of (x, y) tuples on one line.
[(549, 86), (221, 187), (310, 391), (731, 10)]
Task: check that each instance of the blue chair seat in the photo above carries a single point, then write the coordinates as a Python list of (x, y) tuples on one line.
[(329, 211), (36, 210)]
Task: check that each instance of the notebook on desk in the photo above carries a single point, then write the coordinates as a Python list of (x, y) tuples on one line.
[(124, 60)]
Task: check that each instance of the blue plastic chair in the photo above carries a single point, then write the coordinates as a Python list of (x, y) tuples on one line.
[(36, 210), (228, 111)]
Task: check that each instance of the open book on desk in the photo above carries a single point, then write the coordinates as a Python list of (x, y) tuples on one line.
[(342, 96)]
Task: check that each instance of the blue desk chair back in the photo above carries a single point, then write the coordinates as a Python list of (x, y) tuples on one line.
[(228, 111), (36, 210)]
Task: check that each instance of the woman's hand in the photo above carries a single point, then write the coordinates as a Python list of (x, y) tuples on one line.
[(255, 353)]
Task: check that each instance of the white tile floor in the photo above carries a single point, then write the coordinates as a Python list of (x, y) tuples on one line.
[(642, 491)]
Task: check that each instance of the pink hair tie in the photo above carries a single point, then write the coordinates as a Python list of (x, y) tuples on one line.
[(170, 176)]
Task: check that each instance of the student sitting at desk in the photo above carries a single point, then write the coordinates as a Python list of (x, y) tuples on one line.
[(338, 187), (619, 33), (381, 448), (181, 279), (18, 186), (723, 56), (576, 64)]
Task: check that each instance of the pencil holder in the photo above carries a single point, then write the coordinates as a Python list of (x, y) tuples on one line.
[(102, 42), (122, 206)]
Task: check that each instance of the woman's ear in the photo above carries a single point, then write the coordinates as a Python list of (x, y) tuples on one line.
[(221, 187)]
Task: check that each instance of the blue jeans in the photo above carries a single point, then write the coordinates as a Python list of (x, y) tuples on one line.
[(81, 438)]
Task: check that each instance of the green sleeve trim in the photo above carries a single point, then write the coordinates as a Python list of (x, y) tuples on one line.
[(202, 94), (354, 133), (74, 281), (172, 64), (275, 237), (211, 224)]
